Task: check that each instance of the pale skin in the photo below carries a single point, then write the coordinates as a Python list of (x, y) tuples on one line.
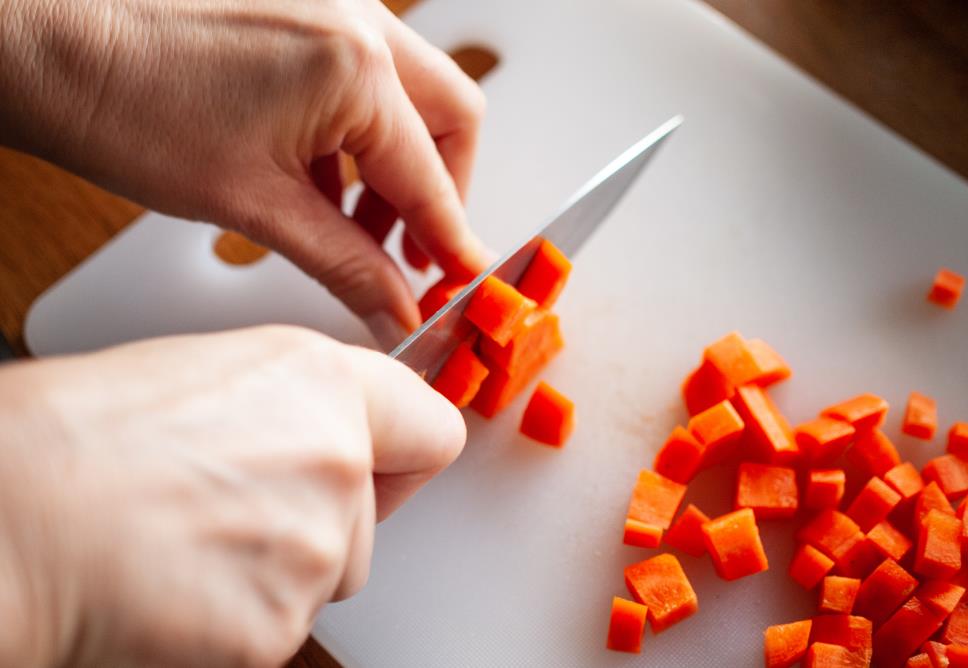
[(198, 500)]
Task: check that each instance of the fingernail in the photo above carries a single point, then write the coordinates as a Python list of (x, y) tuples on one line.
[(387, 330)]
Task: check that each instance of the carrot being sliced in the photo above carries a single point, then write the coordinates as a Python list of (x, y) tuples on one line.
[(831, 532), (500, 388), (439, 294), (946, 288), (837, 594), (920, 416), (938, 550), (864, 411), (705, 387), (461, 376), (889, 541), (771, 367), (873, 453), (881, 592), (539, 332), (825, 488), (549, 417), (809, 566), (770, 491), (680, 457), (626, 626), (951, 474), (733, 542), (655, 500), (661, 585), (931, 498), (546, 275), (824, 439), (769, 432), (958, 439), (826, 655), (873, 504), (498, 309), (686, 532), (718, 428), (784, 645), (904, 632)]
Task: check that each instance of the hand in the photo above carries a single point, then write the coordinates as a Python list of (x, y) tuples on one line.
[(194, 501), (233, 110)]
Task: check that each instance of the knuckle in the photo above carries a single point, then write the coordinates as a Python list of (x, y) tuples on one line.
[(362, 47)]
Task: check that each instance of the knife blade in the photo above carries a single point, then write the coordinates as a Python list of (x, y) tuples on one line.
[(425, 349)]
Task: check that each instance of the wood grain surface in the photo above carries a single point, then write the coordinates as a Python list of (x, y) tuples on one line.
[(904, 62)]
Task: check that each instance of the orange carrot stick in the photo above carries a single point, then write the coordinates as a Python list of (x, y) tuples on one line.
[(770, 433)]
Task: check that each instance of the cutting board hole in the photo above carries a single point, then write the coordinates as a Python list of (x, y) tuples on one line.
[(475, 60), (232, 248)]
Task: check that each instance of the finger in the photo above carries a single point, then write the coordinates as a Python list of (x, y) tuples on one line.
[(374, 215), (415, 431), (360, 552), (327, 176), (397, 158), (307, 228)]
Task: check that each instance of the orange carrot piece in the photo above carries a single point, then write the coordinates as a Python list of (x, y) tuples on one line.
[(705, 387), (772, 367), (539, 332), (733, 359), (661, 585), (439, 294), (938, 551), (849, 631), (940, 596), (957, 655), (825, 655), (809, 566), (771, 491), (859, 558), (837, 594), (881, 592), (831, 532), (951, 474), (733, 542), (546, 275), (956, 627), (770, 433), (680, 457), (921, 660), (498, 309), (686, 532), (655, 500), (824, 439), (825, 488), (905, 480), (937, 654), (906, 630), (958, 439), (889, 541), (920, 416), (626, 626), (873, 504), (718, 428), (460, 378), (864, 411), (500, 388), (784, 645), (549, 417), (931, 498), (873, 453), (947, 288), (641, 534)]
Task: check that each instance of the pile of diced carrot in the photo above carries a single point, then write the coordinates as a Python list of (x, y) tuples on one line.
[(885, 560), (511, 335)]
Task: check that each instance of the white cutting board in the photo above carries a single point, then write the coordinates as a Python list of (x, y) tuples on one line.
[(777, 209)]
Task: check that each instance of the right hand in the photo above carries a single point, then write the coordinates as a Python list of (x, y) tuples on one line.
[(194, 501)]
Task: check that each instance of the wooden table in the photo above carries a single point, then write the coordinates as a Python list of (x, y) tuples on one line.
[(904, 62)]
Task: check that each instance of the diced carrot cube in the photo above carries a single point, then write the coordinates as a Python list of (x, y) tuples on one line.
[(824, 439), (549, 417), (859, 558), (718, 428), (920, 416), (921, 660), (906, 630), (809, 566), (956, 627), (825, 655), (546, 275), (733, 542), (686, 532), (769, 432), (938, 551), (937, 654), (661, 585), (831, 532), (784, 645), (641, 534), (881, 592), (873, 504), (771, 491), (498, 309), (873, 453), (957, 656), (940, 596), (705, 387), (947, 288), (849, 631), (958, 439), (655, 500), (439, 294), (500, 388), (539, 332), (889, 540), (905, 480), (460, 378), (680, 457), (951, 474), (837, 594), (626, 626), (864, 412), (825, 488), (772, 367), (931, 498), (732, 357)]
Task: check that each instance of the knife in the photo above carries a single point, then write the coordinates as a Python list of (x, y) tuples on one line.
[(431, 344)]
